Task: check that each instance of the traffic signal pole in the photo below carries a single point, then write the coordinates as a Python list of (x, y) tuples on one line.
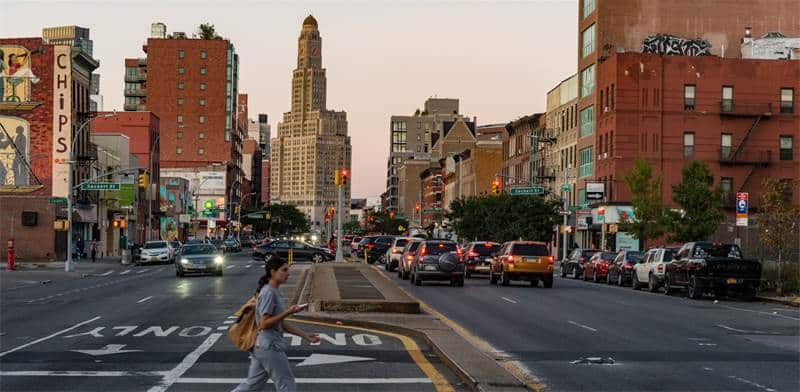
[(339, 202), (566, 209)]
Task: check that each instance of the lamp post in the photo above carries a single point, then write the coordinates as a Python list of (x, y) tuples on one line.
[(157, 142), (239, 216), (69, 265)]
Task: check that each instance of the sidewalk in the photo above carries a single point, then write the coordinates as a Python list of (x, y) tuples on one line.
[(356, 294), (59, 265), (793, 300)]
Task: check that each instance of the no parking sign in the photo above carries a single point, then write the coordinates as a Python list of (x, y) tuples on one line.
[(742, 205)]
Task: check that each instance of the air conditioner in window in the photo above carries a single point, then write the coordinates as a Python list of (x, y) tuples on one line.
[(605, 155), (605, 109)]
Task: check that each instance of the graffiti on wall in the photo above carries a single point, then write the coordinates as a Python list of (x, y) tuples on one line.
[(16, 76), (15, 136), (670, 45)]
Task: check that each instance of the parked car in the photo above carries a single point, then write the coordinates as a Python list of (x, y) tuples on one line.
[(437, 260), (712, 267), (230, 245), (156, 252), (176, 246), (354, 246), (477, 255), (375, 246), (522, 260), (597, 267), (201, 258), (621, 269), (574, 263), (395, 253), (300, 251), (651, 269), (408, 256)]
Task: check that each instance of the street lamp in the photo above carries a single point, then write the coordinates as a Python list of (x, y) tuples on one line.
[(157, 142), (69, 265), (239, 217)]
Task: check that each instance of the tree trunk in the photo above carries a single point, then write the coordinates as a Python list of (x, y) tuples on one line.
[(780, 276)]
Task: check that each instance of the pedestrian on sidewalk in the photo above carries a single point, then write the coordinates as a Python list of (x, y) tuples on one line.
[(268, 359), (81, 247), (93, 249)]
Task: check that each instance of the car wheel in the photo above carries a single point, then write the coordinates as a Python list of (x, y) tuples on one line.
[(492, 277), (667, 284), (693, 291), (594, 276), (720, 292), (652, 284), (399, 272), (405, 275), (548, 283), (635, 282), (177, 272), (417, 280), (410, 277), (504, 279), (574, 272), (318, 258), (608, 279), (534, 282), (620, 281), (749, 291), (563, 272), (468, 274)]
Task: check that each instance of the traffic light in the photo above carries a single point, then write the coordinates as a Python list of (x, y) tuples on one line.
[(344, 176), (337, 177), (116, 224), (391, 214), (123, 223), (601, 211), (144, 180), (417, 207), (496, 186)]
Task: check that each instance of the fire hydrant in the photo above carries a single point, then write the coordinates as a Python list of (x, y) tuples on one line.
[(10, 260)]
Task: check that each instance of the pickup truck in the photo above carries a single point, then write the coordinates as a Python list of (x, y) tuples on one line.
[(703, 267)]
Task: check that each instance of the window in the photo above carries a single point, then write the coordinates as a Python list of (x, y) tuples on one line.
[(181, 70), (587, 162), (202, 86), (201, 119), (727, 99), (587, 39), (179, 135), (688, 96), (612, 97), (181, 54), (588, 7), (179, 150), (180, 118), (203, 54), (202, 70), (201, 151), (180, 101), (587, 81), (582, 196), (725, 146), (787, 100), (726, 185), (180, 85), (202, 102), (587, 121), (611, 144), (688, 144), (201, 135), (787, 148)]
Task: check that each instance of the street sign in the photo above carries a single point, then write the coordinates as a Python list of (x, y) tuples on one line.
[(100, 186), (431, 210), (534, 190), (565, 188), (742, 206), (58, 200), (212, 223), (595, 190)]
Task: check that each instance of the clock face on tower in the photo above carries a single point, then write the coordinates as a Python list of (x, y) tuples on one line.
[(314, 51)]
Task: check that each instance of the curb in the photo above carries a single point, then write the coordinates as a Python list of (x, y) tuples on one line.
[(779, 301)]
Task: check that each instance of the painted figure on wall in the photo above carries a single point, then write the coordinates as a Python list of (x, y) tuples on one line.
[(15, 136), (15, 74)]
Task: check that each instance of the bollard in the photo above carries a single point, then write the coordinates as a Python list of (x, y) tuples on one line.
[(10, 259), (366, 260), (291, 256)]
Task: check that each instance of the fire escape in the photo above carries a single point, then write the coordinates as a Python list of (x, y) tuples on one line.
[(739, 155)]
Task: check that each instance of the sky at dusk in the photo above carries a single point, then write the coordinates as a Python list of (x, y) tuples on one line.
[(382, 58)]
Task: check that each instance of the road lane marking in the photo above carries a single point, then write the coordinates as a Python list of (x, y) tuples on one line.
[(229, 321), (345, 381), (582, 326), (230, 266), (509, 300), (80, 373), (107, 273), (125, 272), (78, 325), (757, 311), (144, 299), (142, 271), (752, 383), (222, 328), (248, 266), (188, 361)]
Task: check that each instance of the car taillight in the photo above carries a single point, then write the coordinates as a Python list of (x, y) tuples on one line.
[(472, 253), (370, 246), (628, 265), (510, 258), (459, 253), (660, 268), (550, 260), (409, 257), (397, 251)]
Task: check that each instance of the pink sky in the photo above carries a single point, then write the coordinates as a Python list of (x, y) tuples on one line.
[(382, 58)]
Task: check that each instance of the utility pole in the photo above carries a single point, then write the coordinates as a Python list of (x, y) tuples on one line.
[(565, 189), (341, 177)]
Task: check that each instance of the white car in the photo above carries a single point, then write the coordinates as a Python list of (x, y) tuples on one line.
[(650, 272), (394, 255), (156, 252)]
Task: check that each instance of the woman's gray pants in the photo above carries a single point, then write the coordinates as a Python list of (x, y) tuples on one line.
[(266, 364)]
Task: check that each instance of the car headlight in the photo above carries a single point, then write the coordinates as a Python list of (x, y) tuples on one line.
[(184, 261), (218, 260)]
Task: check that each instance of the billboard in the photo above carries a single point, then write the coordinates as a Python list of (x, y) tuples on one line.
[(62, 117)]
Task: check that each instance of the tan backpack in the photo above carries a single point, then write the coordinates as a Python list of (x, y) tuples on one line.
[(243, 332)]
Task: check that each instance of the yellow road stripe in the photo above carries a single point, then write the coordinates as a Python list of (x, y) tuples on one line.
[(439, 381)]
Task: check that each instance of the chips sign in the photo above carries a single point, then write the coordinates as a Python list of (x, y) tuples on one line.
[(742, 207)]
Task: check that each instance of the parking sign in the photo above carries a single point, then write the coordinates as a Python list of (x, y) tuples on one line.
[(742, 206)]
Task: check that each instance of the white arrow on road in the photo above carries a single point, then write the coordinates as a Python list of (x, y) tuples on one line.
[(326, 359), (108, 349)]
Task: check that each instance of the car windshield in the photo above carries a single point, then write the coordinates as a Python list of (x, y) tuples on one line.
[(199, 250), (367, 240), (669, 254), (155, 245), (608, 256), (635, 257), (400, 242), (588, 252), (486, 248), (530, 249), (413, 246), (437, 248), (711, 250)]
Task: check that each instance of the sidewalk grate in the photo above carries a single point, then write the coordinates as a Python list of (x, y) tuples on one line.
[(354, 285)]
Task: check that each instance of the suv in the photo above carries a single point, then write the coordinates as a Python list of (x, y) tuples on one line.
[(574, 264), (522, 260), (477, 255), (395, 253), (408, 257), (621, 269), (437, 260), (651, 269), (375, 247), (156, 251)]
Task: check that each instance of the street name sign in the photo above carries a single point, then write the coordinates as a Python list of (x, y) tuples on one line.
[(58, 200), (100, 186), (534, 190)]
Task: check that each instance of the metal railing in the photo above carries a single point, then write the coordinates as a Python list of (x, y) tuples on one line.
[(728, 155), (730, 107)]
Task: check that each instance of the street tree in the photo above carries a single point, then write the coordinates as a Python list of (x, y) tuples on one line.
[(504, 217), (207, 31), (648, 209), (700, 203), (779, 221), (277, 219), (352, 227)]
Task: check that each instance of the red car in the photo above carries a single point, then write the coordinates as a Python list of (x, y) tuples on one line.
[(597, 267)]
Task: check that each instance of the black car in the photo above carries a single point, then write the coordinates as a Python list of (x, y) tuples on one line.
[(437, 260), (718, 268), (620, 271), (299, 251), (477, 254), (202, 258), (375, 246), (574, 264)]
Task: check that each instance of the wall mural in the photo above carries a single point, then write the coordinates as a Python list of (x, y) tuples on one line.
[(15, 74), (670, 45), (15, 136)]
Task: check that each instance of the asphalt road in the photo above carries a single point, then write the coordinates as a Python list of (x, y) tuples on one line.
[(583, 336), (127, 328)]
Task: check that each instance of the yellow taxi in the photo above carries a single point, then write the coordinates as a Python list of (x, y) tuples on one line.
[(522, 260)]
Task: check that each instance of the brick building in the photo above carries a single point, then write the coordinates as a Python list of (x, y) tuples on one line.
[(738, 116), (265, 184), (432, 208), (562, 128), (516, 170), (480, 165)]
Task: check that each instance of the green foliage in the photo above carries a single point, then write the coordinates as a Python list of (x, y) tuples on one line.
[(383, 223), (779, 221), (701, 202), (352, 228), (207, 31), (504, 217), (646, 200), (283, 219)]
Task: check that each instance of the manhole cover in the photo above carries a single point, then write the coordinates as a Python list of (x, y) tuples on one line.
[(594, 361)]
